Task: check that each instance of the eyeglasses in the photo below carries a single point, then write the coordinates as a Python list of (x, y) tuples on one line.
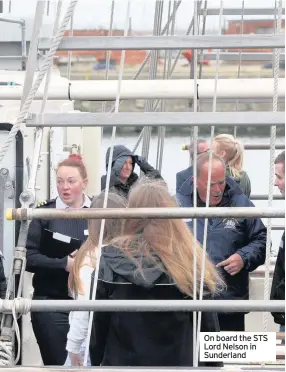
[(202, 152)]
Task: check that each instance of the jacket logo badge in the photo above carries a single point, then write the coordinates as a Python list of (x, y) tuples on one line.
[(230, 223)]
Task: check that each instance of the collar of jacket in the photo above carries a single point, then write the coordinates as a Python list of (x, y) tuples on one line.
[(61, 205)]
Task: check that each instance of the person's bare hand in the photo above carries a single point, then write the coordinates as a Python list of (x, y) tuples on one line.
[(75, 359), (232, 265)]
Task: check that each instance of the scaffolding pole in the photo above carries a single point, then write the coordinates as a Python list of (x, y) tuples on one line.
[(143, 305), (167, 42), (23, 214), (238, 11), (156, 119), (105, 90)]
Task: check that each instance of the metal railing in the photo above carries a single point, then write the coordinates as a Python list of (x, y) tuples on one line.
[(23, 214), (23, 56), (166, 43), (143, 305), (174, 119)]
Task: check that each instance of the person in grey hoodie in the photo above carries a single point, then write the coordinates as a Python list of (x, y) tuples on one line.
[(122, 170)]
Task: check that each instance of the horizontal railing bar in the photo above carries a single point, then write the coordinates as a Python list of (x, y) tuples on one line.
[(175, 119), (278, 227), (265, 197), (162, 213), (238, 11), (146, 305), (242, 100), (167, 42), (7, 20), (253, 146), (231, 56), (13, 57), (106, 90), (263, 146)]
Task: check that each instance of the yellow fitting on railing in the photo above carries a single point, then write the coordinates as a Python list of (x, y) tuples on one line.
[(9, 214)]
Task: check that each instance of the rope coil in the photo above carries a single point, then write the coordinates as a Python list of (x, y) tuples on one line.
[(22, 306)]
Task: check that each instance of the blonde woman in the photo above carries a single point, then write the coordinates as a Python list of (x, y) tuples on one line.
[(231, 151), (80, 276), (151, 260)]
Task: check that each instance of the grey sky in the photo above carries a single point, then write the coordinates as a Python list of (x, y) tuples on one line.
[(96, 13)]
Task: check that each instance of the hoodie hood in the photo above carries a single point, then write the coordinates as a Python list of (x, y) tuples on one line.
[(118, 152), (115, 264)]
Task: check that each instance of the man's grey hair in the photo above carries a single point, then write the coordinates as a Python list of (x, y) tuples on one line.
[(204, 158), (281, 159), (192, 144)]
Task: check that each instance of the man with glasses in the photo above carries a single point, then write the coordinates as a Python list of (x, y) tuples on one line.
[(181, 177)]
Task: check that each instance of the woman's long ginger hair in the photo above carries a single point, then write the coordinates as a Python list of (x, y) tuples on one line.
[(87, 252), (168, 239)]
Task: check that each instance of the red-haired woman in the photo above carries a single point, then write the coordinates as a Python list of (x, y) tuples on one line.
[(51, 247)]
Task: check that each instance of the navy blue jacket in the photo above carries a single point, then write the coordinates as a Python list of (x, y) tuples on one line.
[(226, 236), (182, 176)]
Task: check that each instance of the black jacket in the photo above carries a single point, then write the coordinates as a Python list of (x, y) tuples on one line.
[(115, 182), (278, 283), (141, 338), (47, 255), (226, 236)]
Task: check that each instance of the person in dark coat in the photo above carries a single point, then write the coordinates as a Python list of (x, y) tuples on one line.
[(278, 283), (51, 248), (122, 176), (151, 260), (236, 245), (182, 176)]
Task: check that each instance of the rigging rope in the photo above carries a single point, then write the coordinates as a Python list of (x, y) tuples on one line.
[(166, 74), (152, 75), (208, 189), (6, 346), (6, 354), (70, 52), (108, 52), (100, 243), (203, 32), (195, 142), (146, 59), (171, 71), (42, 72), (272, 166), (239, 64)]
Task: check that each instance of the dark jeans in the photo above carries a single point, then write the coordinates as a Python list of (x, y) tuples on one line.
[(231, 322), (51, 331)]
